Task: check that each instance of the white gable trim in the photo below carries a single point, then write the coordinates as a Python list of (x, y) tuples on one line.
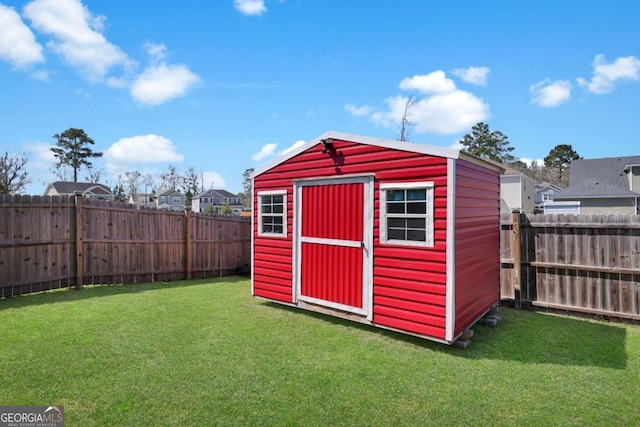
[(366, 140)]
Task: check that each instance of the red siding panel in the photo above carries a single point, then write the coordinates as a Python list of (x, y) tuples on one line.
[(332, 273), (333, 211), (477, 243), (413, 327)]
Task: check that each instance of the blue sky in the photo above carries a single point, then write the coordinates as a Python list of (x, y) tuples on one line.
[(227, 85)]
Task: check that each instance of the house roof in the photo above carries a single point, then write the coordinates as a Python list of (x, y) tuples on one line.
[(169, 192), (70, 187), (216, 193), (380, 142), (599, 178), (543, 186)]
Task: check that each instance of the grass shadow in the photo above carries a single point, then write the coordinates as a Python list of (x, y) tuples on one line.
[(94, 291), (522, 336)]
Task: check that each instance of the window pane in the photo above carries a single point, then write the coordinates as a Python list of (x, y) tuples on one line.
[(395, 234), (277, 220), (277, 208), (420, 223), (266, 200), (266, 208), (277, 229), (416, 235), (417, 194), (397, 208), (267, 228), (417, 207), (395, 195), (396, 222), (277, 199)]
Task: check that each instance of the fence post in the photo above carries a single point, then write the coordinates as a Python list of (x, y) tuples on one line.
[(188, 245), (515, 250), (79, 200)]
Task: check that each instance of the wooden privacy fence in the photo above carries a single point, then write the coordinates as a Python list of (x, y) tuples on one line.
[(582, 263), (53, 242)]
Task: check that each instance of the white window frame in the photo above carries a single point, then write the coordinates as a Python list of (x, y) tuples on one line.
[(284, 215), (429, 221), (176, 200)]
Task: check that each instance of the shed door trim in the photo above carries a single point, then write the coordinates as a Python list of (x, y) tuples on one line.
[(366, 244)]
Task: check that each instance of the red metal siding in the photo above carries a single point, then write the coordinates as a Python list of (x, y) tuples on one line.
[(332, 273), (477, 242), (409, 283), (333, 211), (272, 266)]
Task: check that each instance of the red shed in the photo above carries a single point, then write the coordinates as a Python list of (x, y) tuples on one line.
[(393, 234)]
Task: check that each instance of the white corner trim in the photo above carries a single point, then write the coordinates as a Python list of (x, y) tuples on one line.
[(451, 251)]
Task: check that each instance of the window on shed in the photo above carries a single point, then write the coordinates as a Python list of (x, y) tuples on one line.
[(406, 213), (176, 199), (272, 213)]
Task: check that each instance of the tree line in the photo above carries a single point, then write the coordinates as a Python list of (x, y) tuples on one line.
[(73, 153), (484, 143)]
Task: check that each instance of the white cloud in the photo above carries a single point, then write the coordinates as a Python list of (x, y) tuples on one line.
[(550, 94), (365, 110), (41, 157), (474, 75), (605, 75), (439, 114), (213, 180), (444, 110), (161, 83), (77, 36), (250, 7), (157, 51), (40, 163), (292, 147), (142, 149), (457, 145), (18, 45), (266, 151), (432, 83)]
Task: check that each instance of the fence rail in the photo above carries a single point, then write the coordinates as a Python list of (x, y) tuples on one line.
[(582, 263), (49, 242)]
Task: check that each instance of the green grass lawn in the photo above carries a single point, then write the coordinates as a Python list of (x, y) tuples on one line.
[(205, 353)]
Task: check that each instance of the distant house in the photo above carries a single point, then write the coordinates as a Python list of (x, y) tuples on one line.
[(142, 200), (172, 200), (517, 190), (214, 200), (544, 194), (604, 186), (87, 189)]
